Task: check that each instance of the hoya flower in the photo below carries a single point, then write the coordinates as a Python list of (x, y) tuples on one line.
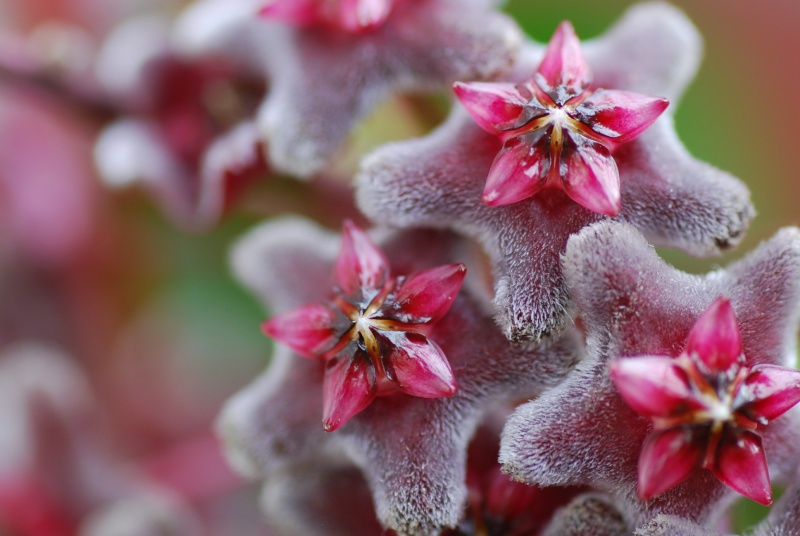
[(325, 78), (184, 126), (411, 450), (372, 333), (352, 16), (556, 130), (706, 407), (677, 201), (632, 303)]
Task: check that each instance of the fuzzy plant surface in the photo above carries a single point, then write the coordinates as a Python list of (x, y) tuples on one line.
[(467, 332), (441, 180), (619, 422), (411, 449), (308, 48)]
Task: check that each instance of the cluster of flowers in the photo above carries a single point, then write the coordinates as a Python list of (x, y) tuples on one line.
[(508, 305)]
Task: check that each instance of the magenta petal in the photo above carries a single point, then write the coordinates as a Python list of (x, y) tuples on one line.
[(620, 116), (668, 458), (591, 177), (296, 12), (653, 386), (742, 465), (518, 171), (424, 297), (418, 366), (309, 329), (563, 73), (715, 337), (360, 15), (360, 264), (349, 387), (496, 107), (770, 391)]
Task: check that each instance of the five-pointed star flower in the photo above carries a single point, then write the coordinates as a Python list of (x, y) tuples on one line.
[(675, 200), (633, 304), (372, 332), (411, 450), (422, 45), (706, 408), (185, 128), (556, 130)]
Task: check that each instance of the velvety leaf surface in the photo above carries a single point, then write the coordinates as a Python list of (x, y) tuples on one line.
[(423, 45), (326, 498), (674, 199), (589, 514), (665, 525), (411, 450), (634, 304)]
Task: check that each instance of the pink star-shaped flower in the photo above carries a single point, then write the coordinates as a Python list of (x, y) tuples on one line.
[(372, 332), (411, 450), (706, 406), (677, 201), (632, 303), (352, 16), (556, 130)]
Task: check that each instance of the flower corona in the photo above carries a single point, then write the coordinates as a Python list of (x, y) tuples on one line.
[(706, 406), (556, 130), (372, 334)]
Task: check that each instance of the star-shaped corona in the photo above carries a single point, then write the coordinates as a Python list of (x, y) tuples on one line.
[(706, 406), (557, 130), (372, 333)]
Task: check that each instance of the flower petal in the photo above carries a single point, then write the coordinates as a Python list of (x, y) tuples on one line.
[(589, 176), (518, 171), (360, 264), (715, 337), (563, 73), (418, 366), (425, 297), (310, 329), (349, 387), (741, 464), (498, 107), (653, 386), (769, 391), (668, 458), (619, 116)]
